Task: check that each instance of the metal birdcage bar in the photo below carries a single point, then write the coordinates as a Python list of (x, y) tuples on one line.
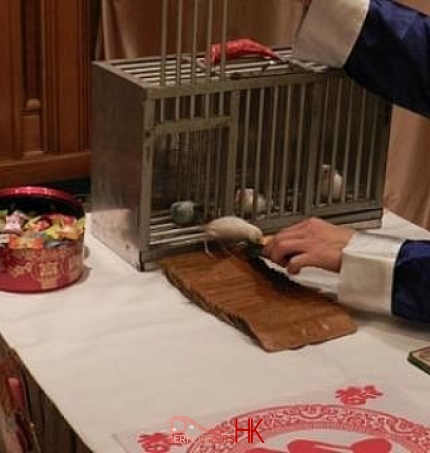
[(302, 139)]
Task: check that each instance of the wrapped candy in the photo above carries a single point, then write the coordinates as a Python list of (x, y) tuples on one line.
[(69, 232), (41, 239), (3, 214), (30, 231), (14, 223), (38, 223), (62, 219)]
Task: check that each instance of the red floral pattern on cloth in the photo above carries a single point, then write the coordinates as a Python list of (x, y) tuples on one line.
[(309, 446), (155, 443), (356, 396), (300, 418), (372, 431)]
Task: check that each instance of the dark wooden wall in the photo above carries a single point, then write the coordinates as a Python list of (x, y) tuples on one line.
[(46, 47)]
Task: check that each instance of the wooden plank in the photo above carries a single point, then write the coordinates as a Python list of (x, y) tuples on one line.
[(44, 90), (42, 168), (10, 79), (66, 42), (274, 311)]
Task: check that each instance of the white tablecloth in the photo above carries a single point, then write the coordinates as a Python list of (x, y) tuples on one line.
[(122, 350)]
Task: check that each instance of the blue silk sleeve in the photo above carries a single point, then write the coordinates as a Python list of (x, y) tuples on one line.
[(391, 56), (411, 282)]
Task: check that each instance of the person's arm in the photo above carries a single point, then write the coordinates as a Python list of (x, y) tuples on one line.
[(383, 45), (377, 273)]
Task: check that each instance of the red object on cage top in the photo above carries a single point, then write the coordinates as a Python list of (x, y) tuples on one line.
[(239, 48)]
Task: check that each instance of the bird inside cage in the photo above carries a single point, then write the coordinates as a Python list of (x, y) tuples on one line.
[(331, 183), (245, 201)]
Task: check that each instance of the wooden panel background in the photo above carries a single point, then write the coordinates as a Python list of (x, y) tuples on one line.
[(44, 86)]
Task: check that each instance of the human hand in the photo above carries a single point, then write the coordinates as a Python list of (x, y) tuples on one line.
[(312, 242), (305, 3)]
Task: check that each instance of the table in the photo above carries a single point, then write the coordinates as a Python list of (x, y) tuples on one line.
[(122, 349)]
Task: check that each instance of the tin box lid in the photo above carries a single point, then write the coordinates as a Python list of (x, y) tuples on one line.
[(61, 199)]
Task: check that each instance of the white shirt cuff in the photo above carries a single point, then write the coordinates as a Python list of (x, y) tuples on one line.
[(367, 272), (330, 30)]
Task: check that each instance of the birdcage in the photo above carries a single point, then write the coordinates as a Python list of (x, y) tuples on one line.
[(271, 140)]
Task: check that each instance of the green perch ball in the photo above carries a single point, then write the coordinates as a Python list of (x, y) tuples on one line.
[(184, 212)]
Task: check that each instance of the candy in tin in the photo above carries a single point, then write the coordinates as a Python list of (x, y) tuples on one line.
[(40, 259)]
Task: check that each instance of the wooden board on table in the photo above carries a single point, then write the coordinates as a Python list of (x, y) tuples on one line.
[(270, 308)]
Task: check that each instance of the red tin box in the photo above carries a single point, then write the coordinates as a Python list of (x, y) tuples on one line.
[(32, 270)]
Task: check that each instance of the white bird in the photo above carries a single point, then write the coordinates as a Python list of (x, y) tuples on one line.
[(232, 229), (333, 177), (245, 198)]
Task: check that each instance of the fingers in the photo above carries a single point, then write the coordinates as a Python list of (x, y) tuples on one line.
[(294, 254), (298, 262), (286, 242), (325, 256), (312, 242), (282, 250)]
